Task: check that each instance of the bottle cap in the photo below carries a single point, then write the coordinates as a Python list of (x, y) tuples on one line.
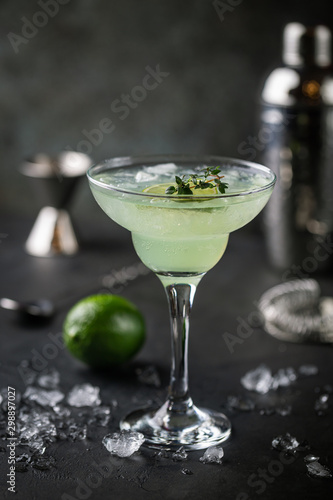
[(304, 45)]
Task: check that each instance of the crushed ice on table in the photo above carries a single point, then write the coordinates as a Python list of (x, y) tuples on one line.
[(84, 395), (43, 462), (21, 466), (43, 397), (262, 380), (315, 469), (304, 447), (61, 411), (43, 416), (148, 376), (284, 411), (258, 380), (240, 403), (213, 454), (49, 379), (307, 370), (36, 429), (114, 403), (283, 378), (321, 405), (161, 454), (179, 455), (123, 443), (37, 461), (310, 458), (187, 472), (285, 443), (100, 416), (327, 388), (267, 411), (76, 432)]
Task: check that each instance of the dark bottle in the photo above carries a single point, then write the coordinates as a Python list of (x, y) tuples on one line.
[(297, 117)]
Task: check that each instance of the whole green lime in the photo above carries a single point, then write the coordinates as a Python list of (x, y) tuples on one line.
[(104, 330)]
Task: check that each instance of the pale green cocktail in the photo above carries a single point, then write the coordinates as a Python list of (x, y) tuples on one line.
[(179, 237)]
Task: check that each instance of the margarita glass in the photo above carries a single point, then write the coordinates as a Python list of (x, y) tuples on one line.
[(180, 238)]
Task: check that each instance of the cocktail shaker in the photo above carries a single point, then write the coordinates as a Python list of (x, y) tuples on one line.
[(297, 143)]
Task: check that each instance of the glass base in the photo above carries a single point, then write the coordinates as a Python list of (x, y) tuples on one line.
[(196, 429)]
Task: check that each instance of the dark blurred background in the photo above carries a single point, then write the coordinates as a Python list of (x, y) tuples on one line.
[(59, 80)]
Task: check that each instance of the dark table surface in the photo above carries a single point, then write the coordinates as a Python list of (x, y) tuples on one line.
[(251, 467)]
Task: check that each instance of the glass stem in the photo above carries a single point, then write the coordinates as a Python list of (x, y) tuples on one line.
[(180, 292)]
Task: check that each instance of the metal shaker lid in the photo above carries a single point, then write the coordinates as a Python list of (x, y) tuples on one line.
[(303, 46)]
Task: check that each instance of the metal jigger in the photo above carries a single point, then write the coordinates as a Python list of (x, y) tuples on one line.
[(54, 180)]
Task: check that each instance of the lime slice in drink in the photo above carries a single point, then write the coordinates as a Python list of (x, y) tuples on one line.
[(161, 188)]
